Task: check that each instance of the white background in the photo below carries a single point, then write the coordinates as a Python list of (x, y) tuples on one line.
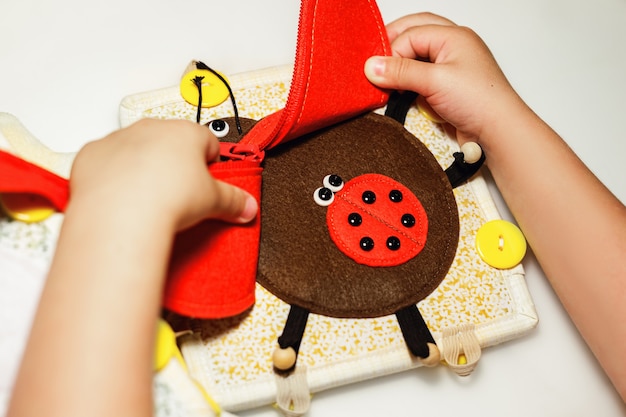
[(65, 65)]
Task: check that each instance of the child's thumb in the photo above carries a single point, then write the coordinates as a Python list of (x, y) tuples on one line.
[(395, 73)]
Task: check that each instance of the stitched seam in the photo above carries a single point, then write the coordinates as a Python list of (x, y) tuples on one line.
[(312, 55), (381, 32)]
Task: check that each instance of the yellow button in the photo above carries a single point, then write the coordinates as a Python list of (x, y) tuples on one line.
[(214, 91), (500, 244), (27, 208), (166, 347), (427, 111)]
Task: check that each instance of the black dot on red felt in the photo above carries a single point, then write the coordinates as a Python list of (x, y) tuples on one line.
[(366, 243), (368, 197), (393, 243), (355, 219), (408, 220), (395, 196)]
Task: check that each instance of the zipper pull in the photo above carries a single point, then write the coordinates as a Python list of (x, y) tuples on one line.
[(241, 152)]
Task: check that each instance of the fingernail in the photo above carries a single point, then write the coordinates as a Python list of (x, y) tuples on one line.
[(250, 210), (375, 66)]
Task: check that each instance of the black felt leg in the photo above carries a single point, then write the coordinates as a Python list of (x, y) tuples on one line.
[(294, 328), (415, 332), (399, 104), (460, 171), (289, 342)]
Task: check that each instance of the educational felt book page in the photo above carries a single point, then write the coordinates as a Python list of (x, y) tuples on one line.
[(298, 324)]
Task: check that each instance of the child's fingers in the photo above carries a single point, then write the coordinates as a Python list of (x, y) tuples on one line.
[(424, 42), (395, 28), (397, 73), (231, 204)]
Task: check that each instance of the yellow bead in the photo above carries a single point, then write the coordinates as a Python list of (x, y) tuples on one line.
[(27, 208), (214, 91), (500, 244)]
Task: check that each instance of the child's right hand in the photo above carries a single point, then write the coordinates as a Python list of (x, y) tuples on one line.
[(158, 167), (452, 68)]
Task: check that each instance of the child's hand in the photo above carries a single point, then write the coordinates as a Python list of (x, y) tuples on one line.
[(159, 168), (451, 67)]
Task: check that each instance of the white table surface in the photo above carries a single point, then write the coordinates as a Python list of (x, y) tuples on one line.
[(66, 65)]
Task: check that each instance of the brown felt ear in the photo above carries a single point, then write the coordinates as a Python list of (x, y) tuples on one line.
[(299, 262)]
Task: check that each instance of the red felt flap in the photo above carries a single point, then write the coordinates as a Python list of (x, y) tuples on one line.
[(20, 176), (213, 267), (335, 38)]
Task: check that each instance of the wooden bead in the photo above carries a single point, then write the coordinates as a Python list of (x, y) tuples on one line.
[(471, 152), (284, 359), (433, 356)]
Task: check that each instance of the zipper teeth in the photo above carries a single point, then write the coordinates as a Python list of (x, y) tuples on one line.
[(295, 89)]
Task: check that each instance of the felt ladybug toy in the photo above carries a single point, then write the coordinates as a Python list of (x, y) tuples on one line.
[(388, 228), (385, 242), (358, 220)]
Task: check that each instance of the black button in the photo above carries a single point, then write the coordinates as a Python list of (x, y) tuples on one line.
[(355, 219), (369, 197), (408, 220), (395, 196), (367, 244), (393, 243)]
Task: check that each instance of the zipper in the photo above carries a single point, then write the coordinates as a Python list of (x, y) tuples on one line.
[(241, 152), (284, 119)]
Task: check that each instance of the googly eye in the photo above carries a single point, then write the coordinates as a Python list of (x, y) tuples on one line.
[(219, 128), (323, 196), (333, 182)]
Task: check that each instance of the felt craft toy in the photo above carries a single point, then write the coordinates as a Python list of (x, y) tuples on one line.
[(321, 67), (359, 223), (393, 222)]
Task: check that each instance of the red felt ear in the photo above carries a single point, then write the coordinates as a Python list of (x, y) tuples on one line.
[(335, 38), (20, 176)]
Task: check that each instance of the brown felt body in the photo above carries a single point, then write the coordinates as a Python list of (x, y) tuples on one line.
[(299, 263)]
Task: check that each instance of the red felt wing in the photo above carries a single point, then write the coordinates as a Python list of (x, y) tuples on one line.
[(335, 38), (213, 267), (20, 176)]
